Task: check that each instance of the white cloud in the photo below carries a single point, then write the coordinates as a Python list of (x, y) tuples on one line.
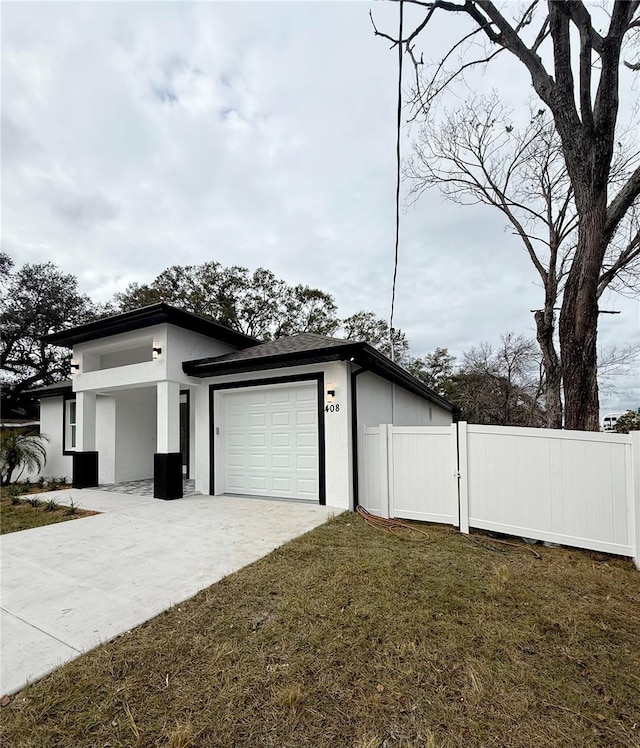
[(140, 135)]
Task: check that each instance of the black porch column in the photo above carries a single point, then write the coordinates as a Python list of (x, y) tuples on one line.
[(85, 470), (167, 475)]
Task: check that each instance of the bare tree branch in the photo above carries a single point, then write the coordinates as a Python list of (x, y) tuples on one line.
[(621, 203), (582, 19)]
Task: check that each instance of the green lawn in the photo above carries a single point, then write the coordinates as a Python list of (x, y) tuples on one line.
[(23, 516), (350, 636)]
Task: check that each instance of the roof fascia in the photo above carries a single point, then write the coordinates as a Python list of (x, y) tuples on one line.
[(360, 353), (148, 316)]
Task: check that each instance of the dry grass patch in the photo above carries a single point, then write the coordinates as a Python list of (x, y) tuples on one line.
[(351, 637)]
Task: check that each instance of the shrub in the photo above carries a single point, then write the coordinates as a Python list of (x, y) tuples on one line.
[(51, 506), (14, 494), (72, 508), (34, 501), (629, 421), (20, 450)]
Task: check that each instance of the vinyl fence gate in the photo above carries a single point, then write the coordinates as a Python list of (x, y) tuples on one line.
[(576, 488)]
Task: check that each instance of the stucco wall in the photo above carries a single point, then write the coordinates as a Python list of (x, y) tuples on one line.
[(337, 426), (184, 345), (374, 399), (51, 423), (380, 401), (411, 410), (106, 438), (135, 441)]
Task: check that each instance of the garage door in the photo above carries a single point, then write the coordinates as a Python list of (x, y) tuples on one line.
[(270, 441)]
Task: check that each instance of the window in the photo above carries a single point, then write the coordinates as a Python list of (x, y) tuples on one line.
[(70, 425)]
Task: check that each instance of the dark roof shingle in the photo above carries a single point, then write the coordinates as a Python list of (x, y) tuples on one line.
[(302, 343)]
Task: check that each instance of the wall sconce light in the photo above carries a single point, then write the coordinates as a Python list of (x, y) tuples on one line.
[(75, 366), (331, 392), (157, 350)]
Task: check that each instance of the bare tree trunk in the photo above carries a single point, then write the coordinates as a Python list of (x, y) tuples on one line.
[(579, 320), (551, 365)]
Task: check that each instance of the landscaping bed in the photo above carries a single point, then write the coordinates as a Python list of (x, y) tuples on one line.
[(22, 510), (27, 487), (350, 636)]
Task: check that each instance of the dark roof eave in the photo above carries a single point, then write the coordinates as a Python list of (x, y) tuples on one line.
[(51, 390), (138, 319), (362, 354), (210, 367)]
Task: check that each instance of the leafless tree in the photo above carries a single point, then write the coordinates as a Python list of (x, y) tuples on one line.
[(499, 384), (584, 107), (476, 154)]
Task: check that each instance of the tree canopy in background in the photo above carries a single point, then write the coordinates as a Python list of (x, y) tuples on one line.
[(35, 300), (263, 306), (257, 304), (493, 384), (375, 331)]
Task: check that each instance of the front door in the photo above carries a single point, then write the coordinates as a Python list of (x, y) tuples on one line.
[(184, 431)]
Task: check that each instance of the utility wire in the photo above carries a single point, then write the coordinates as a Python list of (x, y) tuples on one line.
[(398, 169)]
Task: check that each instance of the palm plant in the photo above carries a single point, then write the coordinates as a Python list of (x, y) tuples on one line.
[(20, 450)]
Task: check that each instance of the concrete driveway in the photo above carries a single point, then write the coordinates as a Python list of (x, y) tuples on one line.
[(68, 587)]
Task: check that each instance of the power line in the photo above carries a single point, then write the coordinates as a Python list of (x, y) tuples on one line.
[(398, 169)]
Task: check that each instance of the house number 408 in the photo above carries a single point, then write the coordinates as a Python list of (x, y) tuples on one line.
[(332, 408)]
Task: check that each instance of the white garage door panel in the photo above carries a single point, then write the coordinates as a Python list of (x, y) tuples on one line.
[(270, 442)]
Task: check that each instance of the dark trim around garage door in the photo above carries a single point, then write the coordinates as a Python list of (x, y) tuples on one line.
[(318, 378)]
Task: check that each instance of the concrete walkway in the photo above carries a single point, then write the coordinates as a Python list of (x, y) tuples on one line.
[(68, 587)]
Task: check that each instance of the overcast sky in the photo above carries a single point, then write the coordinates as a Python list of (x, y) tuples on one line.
[(136, 136)]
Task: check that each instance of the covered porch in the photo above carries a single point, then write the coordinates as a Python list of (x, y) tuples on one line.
[(134, 435)]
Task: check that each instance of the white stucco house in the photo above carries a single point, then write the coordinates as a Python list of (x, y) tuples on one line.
[(165, 394)]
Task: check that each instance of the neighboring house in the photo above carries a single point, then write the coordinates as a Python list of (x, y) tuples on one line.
[(162, 393)]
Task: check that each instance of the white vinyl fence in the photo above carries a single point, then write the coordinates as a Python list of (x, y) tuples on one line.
[(571, 487)]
